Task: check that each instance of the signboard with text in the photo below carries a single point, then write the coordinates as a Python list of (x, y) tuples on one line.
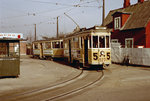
[(11, 35)]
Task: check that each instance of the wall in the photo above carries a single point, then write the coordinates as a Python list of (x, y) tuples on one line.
[(148, 35), (138, 35), (23, 47), (137, 56), (124, 18)]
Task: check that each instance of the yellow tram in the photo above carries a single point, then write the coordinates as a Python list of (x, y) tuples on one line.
[(48, 49), (88, 47)]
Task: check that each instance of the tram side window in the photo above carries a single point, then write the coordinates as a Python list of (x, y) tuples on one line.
[(61, 44), (35, 46), (65, 44), (90, 42), (102, 42), (95, 41), (81, 42), (56, 44), (76, 42), (107, 41), (48, 45)]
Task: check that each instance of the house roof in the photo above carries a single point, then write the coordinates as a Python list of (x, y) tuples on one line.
[(140, 15)]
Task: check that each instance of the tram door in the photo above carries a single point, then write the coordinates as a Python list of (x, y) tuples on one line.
[(86, 51), (70, 51), (41, 50)]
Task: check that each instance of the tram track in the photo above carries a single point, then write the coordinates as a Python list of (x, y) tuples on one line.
[(58, 97), (63, 89), (9, 98)]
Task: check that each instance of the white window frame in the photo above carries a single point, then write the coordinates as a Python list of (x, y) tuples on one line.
[(127, 39), (117, 23)]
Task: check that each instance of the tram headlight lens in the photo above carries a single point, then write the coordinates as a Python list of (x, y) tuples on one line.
[(102, 52)]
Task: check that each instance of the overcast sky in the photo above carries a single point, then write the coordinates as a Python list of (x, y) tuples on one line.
[(20, 15)]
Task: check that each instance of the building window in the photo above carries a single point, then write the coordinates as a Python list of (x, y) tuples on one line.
[(129, 43), (117, 23)]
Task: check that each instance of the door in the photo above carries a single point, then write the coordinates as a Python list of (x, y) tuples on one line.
[(41, 50), (86, 51), (70, 57)]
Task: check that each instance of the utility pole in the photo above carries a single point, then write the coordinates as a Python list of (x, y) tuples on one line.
[(35, 32), (103, 12), (57, 28)]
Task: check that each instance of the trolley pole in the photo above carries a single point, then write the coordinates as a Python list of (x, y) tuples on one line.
[(103, 12), (35, 32), (57, 28)]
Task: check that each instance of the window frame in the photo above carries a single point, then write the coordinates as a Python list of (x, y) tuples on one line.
[(117, 23), (128, 39)]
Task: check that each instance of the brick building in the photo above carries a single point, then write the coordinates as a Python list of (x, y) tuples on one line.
[(130, 25), (23, 47)]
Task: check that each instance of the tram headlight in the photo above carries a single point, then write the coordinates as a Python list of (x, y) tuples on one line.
[(102, 52)]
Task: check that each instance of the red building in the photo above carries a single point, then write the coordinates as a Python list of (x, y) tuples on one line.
[(130, 25)]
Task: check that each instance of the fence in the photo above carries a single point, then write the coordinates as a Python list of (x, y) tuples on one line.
[(136, 56)]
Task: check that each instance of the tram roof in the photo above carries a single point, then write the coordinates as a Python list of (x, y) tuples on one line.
[(51, 39), (88, 30)]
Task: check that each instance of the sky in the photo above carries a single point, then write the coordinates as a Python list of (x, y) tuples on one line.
[(20, 16)]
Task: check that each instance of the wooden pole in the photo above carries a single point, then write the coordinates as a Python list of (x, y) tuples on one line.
[(103, 13), (35, 32), (57, 28)]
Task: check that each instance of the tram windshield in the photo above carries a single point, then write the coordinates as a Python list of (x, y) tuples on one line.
[(99, 42), (56, 44), (35, 45), (9, 50)]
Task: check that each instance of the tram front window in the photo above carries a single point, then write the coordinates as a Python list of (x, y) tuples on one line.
[(107, 41), (56, 44), (36, 46), (102, 42), (9, 50), (95, 41)]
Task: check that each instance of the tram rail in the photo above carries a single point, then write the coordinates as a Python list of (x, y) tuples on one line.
[(60, 90), (12, 97)]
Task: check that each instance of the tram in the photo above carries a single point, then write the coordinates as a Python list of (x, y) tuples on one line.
[(10, 54), (84, 47), (88, 47), (48, 49)]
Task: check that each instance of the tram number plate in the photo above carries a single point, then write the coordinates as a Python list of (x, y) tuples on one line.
[(95, 56)]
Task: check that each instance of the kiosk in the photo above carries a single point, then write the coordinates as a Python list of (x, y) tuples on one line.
[(10, 54)]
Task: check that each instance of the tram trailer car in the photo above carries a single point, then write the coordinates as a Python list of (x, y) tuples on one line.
[(48, 49), (88, 47)]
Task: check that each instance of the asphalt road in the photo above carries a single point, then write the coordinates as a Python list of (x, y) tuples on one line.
[(120, 83)]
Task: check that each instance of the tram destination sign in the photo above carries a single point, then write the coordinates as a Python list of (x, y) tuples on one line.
[(11, 35)]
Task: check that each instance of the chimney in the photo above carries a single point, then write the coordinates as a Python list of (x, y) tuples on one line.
[(140, 1), (127, 3)]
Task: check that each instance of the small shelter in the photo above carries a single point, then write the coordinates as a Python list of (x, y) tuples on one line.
[(10, 54)]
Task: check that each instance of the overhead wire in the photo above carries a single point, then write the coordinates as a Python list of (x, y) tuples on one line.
[(27, 14), (72, 7), (61, 4)]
